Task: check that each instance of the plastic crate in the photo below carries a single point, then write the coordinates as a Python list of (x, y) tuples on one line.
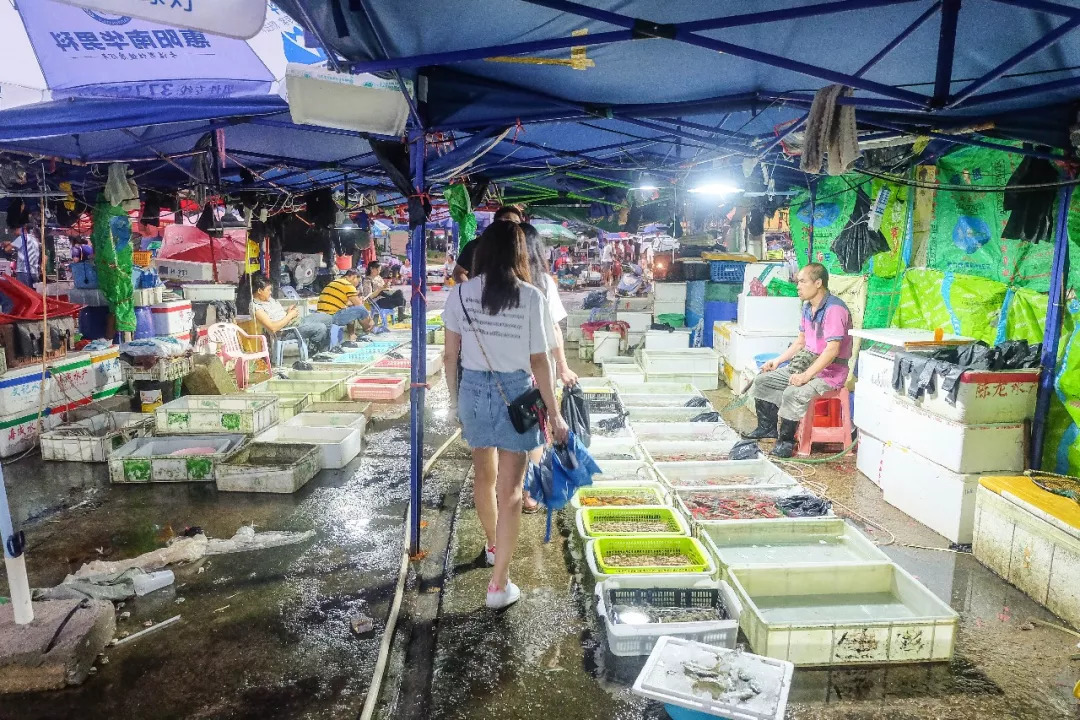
[(729, 474), (677, 451), (142, 258), (163, 370), (790, 542), (621, 471), (636, 639), (664, 679), (587, 517), (697, 559), (652, 489), (766, 512), (726, 271), (372, 387)]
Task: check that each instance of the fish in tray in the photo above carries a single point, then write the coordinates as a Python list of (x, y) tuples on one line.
[(651, 614)]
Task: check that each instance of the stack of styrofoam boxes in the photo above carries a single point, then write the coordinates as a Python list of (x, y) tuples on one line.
[(173, 318), (764, 325), (669, 298), (21, 402), (70, 383), (927, 454), (108, 373)]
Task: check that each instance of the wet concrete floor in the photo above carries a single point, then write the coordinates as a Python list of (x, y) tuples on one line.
[(546, 656), (264, 634)]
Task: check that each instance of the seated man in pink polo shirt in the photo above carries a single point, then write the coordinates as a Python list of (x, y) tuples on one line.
[(817, 362)]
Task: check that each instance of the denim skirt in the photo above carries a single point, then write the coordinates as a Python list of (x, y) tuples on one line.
[(485, 420)]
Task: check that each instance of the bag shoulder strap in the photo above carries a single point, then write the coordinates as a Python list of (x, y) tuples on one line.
[(476, 334)]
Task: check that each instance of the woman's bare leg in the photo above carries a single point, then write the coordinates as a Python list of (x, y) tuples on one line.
[(508, 488), (485, 469)]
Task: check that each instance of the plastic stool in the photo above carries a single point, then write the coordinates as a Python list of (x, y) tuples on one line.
[(383, 315), (281, 341), (822, 425)]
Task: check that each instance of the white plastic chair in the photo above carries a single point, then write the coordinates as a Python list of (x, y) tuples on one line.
[(226, 340)]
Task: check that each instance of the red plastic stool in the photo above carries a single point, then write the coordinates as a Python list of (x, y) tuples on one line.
[(826, 423)]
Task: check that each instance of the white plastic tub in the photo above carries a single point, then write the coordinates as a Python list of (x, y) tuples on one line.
[(289, 406), (602, 448), (757, 473), (661, 451), (659, 398), (619, 471), (686, 500), (196, 292), (678, 339), (700, 381), (246, 414), (688, 361), (94, 439), (842, 615), (622, 432), (960, 448), (338, 446), (606, 345), (629, 387), (639, 321), (664, 679), (636, 639), (352, 421), (791, 542), (670, 292), (668, 415), (772, 315), (744, 347), (984, 397), (269, 468), (650, 488), (154, 459), (685, 431)]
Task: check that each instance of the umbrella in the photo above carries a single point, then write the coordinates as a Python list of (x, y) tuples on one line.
[(186, 242), (56, 51)]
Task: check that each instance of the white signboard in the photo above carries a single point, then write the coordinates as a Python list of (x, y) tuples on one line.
[(241, 19)]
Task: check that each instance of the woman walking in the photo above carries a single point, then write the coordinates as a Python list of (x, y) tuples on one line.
[(496, 323)]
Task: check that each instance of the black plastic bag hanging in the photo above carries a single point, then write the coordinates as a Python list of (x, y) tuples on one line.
[(857, 243), (1031, 212), (575, 411)]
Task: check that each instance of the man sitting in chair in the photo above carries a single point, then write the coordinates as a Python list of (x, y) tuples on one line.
[(340, 304), (818, 363), (274, 318)]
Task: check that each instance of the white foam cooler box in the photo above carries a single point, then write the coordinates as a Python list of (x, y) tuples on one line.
[(668, 307), (769, 315), (173, 317), (636, 304), (20, 391), (983, 397), (72, 380), (670, 292), (959, 448), (868, 457), (765, 272), (184, 270), (639, 321), (209, 292), (742, 347), (106, 366), (667, 339), (942, 500)]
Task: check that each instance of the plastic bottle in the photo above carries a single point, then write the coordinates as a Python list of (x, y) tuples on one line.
[(877, 211), (147, 583)]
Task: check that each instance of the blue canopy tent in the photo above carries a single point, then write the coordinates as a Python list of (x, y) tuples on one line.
[(622, 86)]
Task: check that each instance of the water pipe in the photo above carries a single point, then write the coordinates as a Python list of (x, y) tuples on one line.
[(15, 562)]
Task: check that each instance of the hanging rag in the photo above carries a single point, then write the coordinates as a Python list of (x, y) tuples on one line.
[(830, 129), (1031, 216), (120, 189), (857, 243)]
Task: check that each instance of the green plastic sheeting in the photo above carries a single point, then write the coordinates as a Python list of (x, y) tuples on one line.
[(831, 211), (781, 288), (113, 265), (1061, 449), (457, 197), (966, 226)]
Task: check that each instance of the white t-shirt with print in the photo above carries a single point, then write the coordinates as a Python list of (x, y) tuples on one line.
[(509, 338), (555, 306)]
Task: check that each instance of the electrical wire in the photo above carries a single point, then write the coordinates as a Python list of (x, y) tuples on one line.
[(898, 180)]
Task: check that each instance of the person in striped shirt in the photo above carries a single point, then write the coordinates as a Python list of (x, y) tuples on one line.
[(340, 304)]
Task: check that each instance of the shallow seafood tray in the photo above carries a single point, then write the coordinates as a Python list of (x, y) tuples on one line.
[(95, 438), (797, 541), (668, 414), (319, 390), (627, 387), (603, 448), (190, 458), (660, 399), (726, 474), (665, 451), (614, 471), (653, 556), (628, 636), (723, 505), (269, 468), (338, 446), (621, 422), (842, 614), (593, 522), (711, 432), (620, 495), (350, 420), (679, 673)]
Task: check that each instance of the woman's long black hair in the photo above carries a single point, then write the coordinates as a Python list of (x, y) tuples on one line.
[(502, 258), (538, 266)]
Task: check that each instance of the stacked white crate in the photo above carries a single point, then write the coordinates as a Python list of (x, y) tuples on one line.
[(669, 298), (928, 454), (763, 325)]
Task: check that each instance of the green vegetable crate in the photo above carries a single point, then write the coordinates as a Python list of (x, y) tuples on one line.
[(592, 521), (682, 555)]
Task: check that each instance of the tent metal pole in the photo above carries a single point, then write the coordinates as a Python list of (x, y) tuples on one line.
[(310, 25), (14, 561), (417, 394), (950, 13), (706, 128), (710, 143), (1048, 40), (1043, 6), (959, 140), (904, 35), (690, 38), (1054, 315), (1022, 92)]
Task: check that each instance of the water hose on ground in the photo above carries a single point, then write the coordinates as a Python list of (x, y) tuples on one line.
[(395, 609)]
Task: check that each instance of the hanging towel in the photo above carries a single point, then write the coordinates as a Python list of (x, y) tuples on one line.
[(830, 129)]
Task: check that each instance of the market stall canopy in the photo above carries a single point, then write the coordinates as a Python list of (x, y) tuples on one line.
[(90, 70)]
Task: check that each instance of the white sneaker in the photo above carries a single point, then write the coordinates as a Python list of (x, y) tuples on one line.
[(499, 599), (489, 556)]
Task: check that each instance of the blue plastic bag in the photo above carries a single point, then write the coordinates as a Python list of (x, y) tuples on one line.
[(562, 470)]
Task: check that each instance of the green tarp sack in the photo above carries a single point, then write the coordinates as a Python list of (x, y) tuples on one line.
[(457, 197), (111, 239)]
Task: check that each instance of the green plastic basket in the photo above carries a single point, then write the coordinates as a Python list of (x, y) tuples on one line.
[(610, 490), (593, 515), (672, 319), (690, 549)]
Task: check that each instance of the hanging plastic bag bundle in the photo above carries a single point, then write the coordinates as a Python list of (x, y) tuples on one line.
[(562, 470), (575, 410)]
